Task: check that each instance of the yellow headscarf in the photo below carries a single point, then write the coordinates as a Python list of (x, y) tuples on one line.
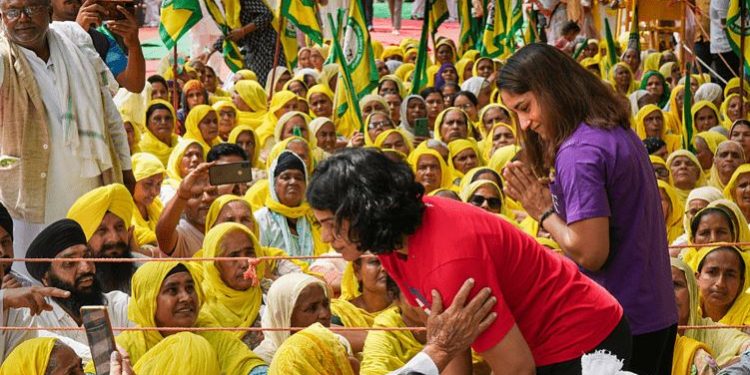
[(351, 315), (368, 140), (674, 142), (734, 83), (392, 51), (182, 353), (712, 139), (285, 119), (674, 109), (225, 103), (319, 89), (173, 166), (461, 68), (230, 307), (215, 209), (714, 178), (403, 71), (144, 166), (149, 143), (397, 80), (90, 208), (30, 357), (697, 106), (138, 130), (674, 229), (439, 122), (386, 351), (234, 357), (252, 93), (658, 160), (447, 42), (236, 132), (329, 72), (502, 156), (247, 74), (266, 130), (380, 139), (446, 179), (612, 73), (706, 193), (314, 350), (701, 177), (729, 189), (377, 48), (739, 313), (192, 132), (458, 146), (271, 85), (725, 120)]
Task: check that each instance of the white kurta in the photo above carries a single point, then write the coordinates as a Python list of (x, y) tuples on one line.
[(14, 318)]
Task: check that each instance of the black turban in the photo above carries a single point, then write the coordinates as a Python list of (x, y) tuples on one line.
[(6, 222), (288, 160), (57, 237)]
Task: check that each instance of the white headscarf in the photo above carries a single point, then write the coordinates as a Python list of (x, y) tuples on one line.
[(708, 91), (404, 108), (474, 85), (318, 123), (280, 302)]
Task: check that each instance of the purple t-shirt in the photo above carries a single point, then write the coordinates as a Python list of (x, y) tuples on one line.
[(607, 173)]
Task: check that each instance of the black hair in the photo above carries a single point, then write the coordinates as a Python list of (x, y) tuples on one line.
[(157, 78), (379, 197), (734, 250), (488, 170), (177, 269), (453, 85), (430, 90), (653, 144), (391, 288), (468, 94), (225, 149), (154, 107), (723, 212), (570, 27)]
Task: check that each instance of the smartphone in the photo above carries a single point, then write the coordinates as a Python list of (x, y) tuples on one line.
[(421, 129), (230, 173), (100, 336), (113, 13)]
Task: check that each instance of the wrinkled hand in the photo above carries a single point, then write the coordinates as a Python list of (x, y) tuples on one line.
[(452, 331), (32, 298), (358, 139), (127, 28), (524, 187), (195, 182), (90, 14), (119, 363), (10, 282)]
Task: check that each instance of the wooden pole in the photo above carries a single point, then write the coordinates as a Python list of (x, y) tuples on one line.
[(277, 53), (175, 93), (742, 72)]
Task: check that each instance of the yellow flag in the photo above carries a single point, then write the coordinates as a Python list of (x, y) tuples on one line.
[(734, 29), (303, 14), (177, 17), (494, 39), (438, 14), (227, 17)]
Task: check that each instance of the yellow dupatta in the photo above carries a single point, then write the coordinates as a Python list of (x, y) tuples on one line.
[(285, 119), (714, 178), (674, 219), (227, 306), (314, 350), (446, 173), (236, 132), (234, 357), (701, 175), (457, 146), (380, 139), (144, 166), (149, 143), (175, 159), (387, 351), (674, 142), (350, 315), (193, 133), (183, 353), (439, 122), (252, 93), (266, 129), (30, 357)]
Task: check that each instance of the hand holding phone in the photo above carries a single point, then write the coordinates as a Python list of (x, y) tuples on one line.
[(230, 173), (421, 127)]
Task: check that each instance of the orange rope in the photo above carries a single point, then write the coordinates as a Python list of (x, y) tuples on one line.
[(214, 329)]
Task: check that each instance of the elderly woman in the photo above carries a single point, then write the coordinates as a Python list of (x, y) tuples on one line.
[(250, 100), (481, 88), (202, 126), (324, 131), (226, 112), (452, 124), (430, 169), (738, 189), (286, 220), (414, 107), (650, 122), (731, 109), (149, 175), (693, 346), (720, 221), (491, 115), (160, 138), (376, 123), (697, 200), (706, 144), (320, 97), (686, 172), (464, 156), (621, 79), (740, 133), (705, 115), (394, 140), (657, 87), (729, 156), (672, 208), (185, 157), (166, 294)]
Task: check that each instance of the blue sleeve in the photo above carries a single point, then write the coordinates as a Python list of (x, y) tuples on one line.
[(259, 370), (117, 60)]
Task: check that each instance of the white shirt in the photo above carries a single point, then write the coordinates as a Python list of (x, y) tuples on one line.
[(420, 363), (718, 12), (117, 307), (14, 318)]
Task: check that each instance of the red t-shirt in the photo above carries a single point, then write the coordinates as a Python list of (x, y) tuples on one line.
[(561, 313)]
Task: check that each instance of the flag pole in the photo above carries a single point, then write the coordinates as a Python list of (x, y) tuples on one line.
[(175, 95), (277, 52), (742, 72)]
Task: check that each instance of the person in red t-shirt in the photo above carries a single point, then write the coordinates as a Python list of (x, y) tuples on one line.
[(548, 313)]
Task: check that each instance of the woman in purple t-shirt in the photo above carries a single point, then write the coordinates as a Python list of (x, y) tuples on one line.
[(601, 203)]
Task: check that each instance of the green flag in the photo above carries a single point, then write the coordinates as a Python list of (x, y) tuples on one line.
[(437, 15), (515, 24), (687, 118), (611, 54), (420, 70), (303, 14), (734, 29), (634, 38), (230, 50), (495, 37), (177, 17)]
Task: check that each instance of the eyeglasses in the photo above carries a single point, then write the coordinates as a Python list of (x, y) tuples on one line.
[(662, 172), (30, 11), (466, 106), (380, 124), (493, 203)]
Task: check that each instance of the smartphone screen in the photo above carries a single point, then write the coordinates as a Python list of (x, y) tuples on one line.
[(421, 128), (100, 336)]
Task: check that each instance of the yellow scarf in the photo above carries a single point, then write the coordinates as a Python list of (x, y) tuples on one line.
[(674, 142), (182, 353), (446, 179), (352, 316), (387, 351), (175, 159), (252, 93), (234, 356), (145, 166), (674, 220), (684, 354), (314, 350), (193, 132), (149, 143), (230, 307), (29, 358), (237, 131), (266, 129)]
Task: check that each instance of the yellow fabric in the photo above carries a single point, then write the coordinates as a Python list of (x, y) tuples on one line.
[(252, 93), (368, 140), (380, 139), (144, 166), (461, 68), (257, 194), (399, 83), (391, 51), (149, 143), (674, 142), (227, 306), (313, 351), (659, 161), (706, 193), (320, 89), (377, 48), (487, 143), (90, 208), (138, 130), (439, 122), (446, 180), (684, 354), (712, 139), (674, 220), (215, 209), (502, 157), (349, 283), (697, 106), (404, 71), (734, 83), (458, 146), (725, 120), (29, 358), (352, 316), (285, 119), (173, 166), (266, 130), (738, 223), (387, 351), (729, 189), (235, 133), (192, 132), (183, 353), (234, 357), (739, 313), (701, 177), (674, 109), (651, 62)]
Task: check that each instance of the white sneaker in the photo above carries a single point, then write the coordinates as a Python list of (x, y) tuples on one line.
[(396, 32)]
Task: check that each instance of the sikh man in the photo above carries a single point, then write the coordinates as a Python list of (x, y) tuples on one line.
[(65, 239), (105, 215), (60, 133)]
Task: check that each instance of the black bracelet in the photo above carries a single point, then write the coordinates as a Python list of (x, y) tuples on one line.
[(546, 215)]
